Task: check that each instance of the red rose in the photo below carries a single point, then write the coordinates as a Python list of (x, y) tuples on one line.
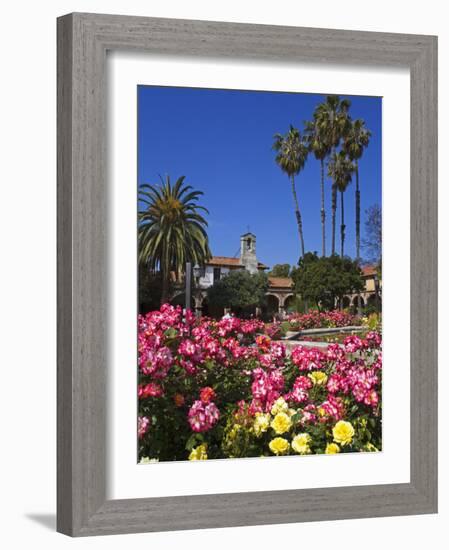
[(207, 394)]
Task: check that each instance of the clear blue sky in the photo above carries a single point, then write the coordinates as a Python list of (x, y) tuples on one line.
[(221, 141)]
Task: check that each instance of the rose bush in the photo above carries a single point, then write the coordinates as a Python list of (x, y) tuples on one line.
[(218, 389), (323, 319)]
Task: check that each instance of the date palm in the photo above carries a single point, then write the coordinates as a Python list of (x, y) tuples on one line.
[(341, 170), (332, 120), (355, 143), (320, 148), (291, 156), (171, 230)]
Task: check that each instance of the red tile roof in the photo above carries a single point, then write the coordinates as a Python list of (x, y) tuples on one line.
[(280, 282), (225, 261), (368, 270)]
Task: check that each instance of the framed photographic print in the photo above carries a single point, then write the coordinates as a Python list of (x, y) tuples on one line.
[(246, 274)]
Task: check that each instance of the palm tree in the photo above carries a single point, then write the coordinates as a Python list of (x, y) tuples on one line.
[(355, 143), (332, 121), (171, 229), (320, 148), (341, 170), (291, 157)]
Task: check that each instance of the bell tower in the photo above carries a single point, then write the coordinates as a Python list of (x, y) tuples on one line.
[(248, 256)]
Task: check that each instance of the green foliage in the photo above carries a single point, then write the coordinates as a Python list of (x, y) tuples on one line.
[(150, 289), (239, 290), (284, 327), (296, 305), (323, 280), (374, 321), (280, 270), (238, 436), (369, 309), (171, 229), (291, 151), (357, 139), (316, 139), (340, 169), (332, 120)]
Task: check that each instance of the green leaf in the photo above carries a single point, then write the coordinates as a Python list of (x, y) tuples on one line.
[(191, 442)]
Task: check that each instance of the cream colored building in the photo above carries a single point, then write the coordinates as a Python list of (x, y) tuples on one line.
[(369, 295), (280, 289), (280, 295)]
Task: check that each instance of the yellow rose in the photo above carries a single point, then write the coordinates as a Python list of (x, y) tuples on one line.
[(148, 460), (261, 423), (281, 423), (280, 405), (300, 444), (199, 453), (318, 378), (332, 449), (370, 448), (279, 446), (343, 432), (233, 432)]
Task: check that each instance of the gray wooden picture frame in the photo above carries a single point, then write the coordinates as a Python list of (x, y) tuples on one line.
[(83, 40)]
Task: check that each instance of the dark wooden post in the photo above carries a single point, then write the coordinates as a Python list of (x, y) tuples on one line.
[(188, 285)]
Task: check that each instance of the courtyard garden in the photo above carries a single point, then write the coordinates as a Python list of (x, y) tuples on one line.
[(232, 388), (275, 349)]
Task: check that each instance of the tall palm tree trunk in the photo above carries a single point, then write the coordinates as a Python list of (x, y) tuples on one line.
[(298, 216), (357, 228), (323, 211), (357, 212), (334, 214), (342, 226), (334, 209)]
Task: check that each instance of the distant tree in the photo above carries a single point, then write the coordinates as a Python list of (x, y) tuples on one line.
[(239, 290), (323, 281), (291, 155), (372, 243), (280, 270)]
